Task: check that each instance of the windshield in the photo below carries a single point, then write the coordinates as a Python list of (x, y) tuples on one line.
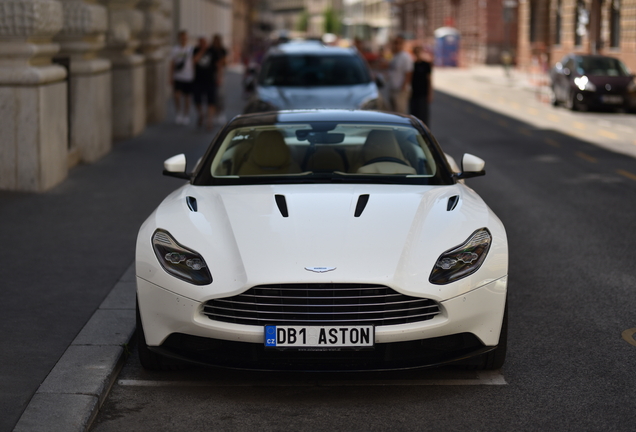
[(323, 152), (601, 66), (313, 70)]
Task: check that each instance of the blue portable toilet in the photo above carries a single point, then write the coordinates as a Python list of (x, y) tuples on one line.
[(447, 46)]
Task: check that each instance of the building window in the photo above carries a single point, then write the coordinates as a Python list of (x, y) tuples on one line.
[(557, 24), (581, 18), (615, 23)]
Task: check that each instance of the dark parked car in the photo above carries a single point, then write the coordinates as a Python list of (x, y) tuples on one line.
[(593, 81), (308, 74)]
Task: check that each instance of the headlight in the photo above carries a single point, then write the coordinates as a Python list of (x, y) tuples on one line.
[(370, 104), (463, 260), (631, 87), (179, 261), (584, 83)]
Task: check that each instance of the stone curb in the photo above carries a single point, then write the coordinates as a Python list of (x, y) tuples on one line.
[(70, 397)]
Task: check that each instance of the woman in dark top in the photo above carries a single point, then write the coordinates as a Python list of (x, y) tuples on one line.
[(422, 85)]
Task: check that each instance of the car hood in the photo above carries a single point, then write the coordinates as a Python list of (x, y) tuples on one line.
[(616, 82), (246, 241), (338, 97)]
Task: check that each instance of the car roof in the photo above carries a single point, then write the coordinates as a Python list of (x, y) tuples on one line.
[(309, 47), (318, 115)]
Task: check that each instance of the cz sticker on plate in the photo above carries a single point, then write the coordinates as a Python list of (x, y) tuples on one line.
[(319, 336)]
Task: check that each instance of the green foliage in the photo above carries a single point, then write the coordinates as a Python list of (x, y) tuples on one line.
[(303, 22), (332, 21)]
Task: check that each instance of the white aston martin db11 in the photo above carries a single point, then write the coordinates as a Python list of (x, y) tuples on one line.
[(323, 240)]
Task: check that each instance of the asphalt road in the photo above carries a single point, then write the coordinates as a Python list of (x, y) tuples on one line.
[(568, 207)]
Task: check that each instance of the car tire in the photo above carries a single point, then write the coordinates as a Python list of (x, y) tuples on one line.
[(150, 360)]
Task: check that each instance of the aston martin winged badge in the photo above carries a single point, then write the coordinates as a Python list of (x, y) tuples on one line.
[(320, 269)]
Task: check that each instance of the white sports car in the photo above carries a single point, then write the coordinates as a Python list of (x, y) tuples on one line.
[(322, 240)]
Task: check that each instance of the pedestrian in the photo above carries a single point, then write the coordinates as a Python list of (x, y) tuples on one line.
[(422, 85), (400, 70), (205, 83), (182, 77), (220, 54)]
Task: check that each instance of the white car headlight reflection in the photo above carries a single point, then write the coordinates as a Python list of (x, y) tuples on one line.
[(584, 83), (462, 260), (179, 261)]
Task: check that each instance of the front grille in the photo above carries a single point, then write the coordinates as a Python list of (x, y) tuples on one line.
[(321, 304)]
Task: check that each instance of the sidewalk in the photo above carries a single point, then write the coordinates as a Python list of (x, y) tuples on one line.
[(68, 277)]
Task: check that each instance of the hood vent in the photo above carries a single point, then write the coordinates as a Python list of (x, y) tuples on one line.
[(282, 205), (452, 203), (192, 203), (362, 203)]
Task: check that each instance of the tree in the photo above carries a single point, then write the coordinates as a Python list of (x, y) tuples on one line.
[(332, 21), (303, 21)]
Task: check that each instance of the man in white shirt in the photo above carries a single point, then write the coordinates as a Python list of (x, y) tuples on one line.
[(182, 77), (399, 76)]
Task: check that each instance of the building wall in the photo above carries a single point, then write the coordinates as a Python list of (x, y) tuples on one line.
[(484, 35), (205, 18), (532, 56)]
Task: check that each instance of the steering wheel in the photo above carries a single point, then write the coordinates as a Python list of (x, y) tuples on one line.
[(386, 159)]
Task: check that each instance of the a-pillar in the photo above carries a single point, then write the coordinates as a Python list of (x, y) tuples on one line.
[(33, 103), (153, 41), (128, 71), (82, 36)]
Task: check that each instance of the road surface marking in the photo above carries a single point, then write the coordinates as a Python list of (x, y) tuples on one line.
[(626, 174), (607, 134), (628, 336), (515, 105), (552, 142), (525, 131), (533, 111), (482, 378), (554, 118), (484, 115), (505, 124), (586, 156), (579, 125)]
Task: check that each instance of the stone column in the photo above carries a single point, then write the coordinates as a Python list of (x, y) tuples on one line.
[(33, 104), (128, 72), (153, 41), (82, 36)]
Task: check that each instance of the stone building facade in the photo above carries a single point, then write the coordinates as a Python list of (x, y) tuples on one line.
[(487, 27), (549, 29)]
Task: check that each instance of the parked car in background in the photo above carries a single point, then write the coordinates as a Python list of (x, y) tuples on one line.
[(583, 82), (308, 74), (322, 240)]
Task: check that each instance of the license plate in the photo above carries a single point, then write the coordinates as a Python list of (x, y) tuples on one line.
[(612, 99), (319, 336)]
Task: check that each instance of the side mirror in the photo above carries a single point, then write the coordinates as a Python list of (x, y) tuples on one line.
[(472, 166), (176, 167)]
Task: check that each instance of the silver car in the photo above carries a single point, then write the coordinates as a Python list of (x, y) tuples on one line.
[(308, 75)]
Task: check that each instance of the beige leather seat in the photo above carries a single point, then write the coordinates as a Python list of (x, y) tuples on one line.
[(269, 155), (325, 159), (381, 154)]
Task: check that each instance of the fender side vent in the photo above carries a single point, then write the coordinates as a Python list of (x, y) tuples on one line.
[(452, 203), (362, 203), (192, 203), (282, 205)]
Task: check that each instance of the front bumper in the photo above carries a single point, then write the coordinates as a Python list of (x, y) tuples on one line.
[(468, 325), (602, 99)]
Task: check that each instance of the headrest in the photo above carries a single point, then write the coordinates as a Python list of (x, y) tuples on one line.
[(270, 150), (381, 143)]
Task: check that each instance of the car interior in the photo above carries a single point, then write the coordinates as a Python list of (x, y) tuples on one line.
[(302, 150)]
